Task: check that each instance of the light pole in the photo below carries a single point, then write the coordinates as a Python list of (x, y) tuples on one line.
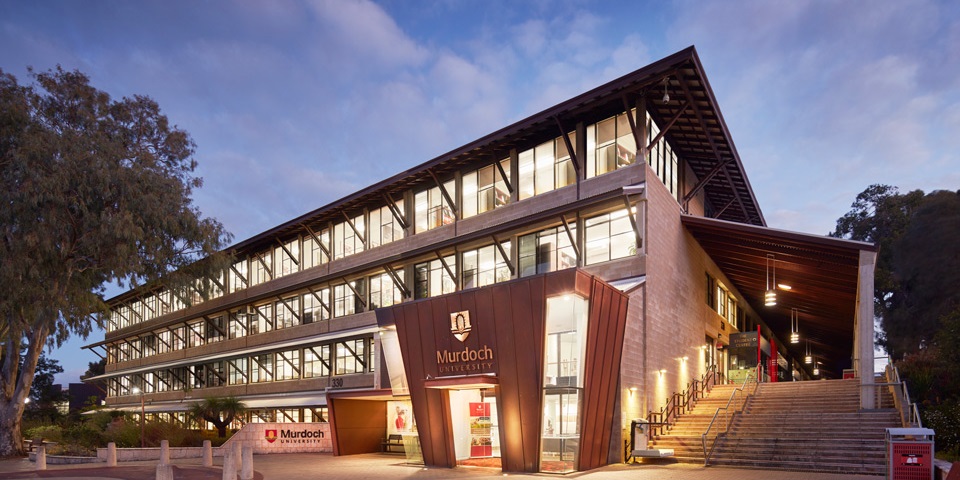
[(143, 420)]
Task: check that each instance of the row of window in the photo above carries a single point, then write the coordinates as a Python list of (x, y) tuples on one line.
[(543, 168), (606, 237), (343, 357), (315, 414)]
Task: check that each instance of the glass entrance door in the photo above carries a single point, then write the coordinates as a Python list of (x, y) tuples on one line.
[(475, 426)]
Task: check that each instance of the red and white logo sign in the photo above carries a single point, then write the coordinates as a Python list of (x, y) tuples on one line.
[(270, 435)]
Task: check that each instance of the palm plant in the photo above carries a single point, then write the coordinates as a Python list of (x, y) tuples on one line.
[(220, 411)]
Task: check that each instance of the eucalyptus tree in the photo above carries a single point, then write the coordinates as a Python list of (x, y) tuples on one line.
[(93, 191)]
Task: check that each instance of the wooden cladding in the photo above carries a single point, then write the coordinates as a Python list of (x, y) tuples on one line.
[(506, 341)]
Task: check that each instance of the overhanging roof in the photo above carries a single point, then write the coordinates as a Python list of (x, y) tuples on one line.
[(699, 136), (822, 271)]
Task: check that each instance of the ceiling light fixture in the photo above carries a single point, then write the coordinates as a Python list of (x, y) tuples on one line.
[(794, 326), (770, 296), (808, 359)]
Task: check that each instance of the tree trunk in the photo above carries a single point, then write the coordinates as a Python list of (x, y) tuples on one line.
[(221, 430), (11, 441), (15, 392)]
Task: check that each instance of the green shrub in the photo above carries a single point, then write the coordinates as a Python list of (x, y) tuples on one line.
[(944, 419), (50, 433)]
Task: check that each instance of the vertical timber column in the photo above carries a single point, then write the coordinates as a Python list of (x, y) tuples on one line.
[(864, 333)]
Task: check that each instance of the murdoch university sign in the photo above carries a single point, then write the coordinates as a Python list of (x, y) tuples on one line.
[(285, 437), (469, 359)]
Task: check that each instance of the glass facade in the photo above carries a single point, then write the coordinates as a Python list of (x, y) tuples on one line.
[(566, 335)]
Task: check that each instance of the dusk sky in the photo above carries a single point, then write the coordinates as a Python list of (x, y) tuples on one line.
[(295, 104)]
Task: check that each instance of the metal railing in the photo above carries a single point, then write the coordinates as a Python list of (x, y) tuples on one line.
[(680, 403), (738, 399), (909, 414)]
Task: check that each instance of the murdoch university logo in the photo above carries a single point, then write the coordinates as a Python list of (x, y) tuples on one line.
[(270, 435), (460, 325)]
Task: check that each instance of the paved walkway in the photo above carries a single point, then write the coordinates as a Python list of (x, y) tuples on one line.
[(389, 467)]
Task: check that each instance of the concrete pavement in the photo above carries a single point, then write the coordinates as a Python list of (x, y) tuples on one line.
[(304, 466)]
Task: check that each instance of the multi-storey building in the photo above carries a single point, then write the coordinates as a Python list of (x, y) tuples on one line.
[(523, 296)]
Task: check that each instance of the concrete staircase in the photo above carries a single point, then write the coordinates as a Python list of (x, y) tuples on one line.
[(684, 437), (805, 426)]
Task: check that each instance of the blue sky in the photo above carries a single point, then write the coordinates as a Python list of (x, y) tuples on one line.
[(295, 104)]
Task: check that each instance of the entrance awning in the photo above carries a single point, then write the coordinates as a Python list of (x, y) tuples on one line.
[(466, 382), (822, 272)]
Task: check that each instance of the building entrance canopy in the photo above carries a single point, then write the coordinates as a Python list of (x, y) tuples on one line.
[(824, 276)]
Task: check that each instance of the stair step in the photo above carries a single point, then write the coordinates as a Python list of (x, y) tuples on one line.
[(801, 426)]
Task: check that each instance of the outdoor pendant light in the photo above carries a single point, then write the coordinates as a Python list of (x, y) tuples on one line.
[(666, 95), (794, 326), (770, 297), (816, 370), (808, 359)]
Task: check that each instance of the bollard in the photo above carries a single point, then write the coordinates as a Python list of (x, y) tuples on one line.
[(207, 454), (164, 471), (246, 466), (111, 454), (41, 457), (164, 452), (229, 465)]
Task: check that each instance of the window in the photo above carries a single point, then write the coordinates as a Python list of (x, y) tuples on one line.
[(547, 251), (566, 332), (432, 278), (148, 344), (238, 371), (216, 374), (663, 160), (288, 365), (315, 415), (485, 266), (261, 368), (485, 189), (609, 236), (313, 254), (546, 167), (288, 312), (238, 323), (350, 356), (384, 227), (711, 293), (215, 329), (431, 208), (346, 240), (195, 331), (383, 291), (261, 319), (345, 302), (260, 266), (316, 361), (610, 145), (316, 306), (287, 258)]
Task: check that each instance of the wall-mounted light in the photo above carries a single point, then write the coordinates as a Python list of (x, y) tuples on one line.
[(662, 371), (632, 390), (794, 326), (770, 295)]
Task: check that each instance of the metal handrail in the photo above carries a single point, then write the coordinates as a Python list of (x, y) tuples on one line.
[(680, 403), (728, 417), (909, 413)]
